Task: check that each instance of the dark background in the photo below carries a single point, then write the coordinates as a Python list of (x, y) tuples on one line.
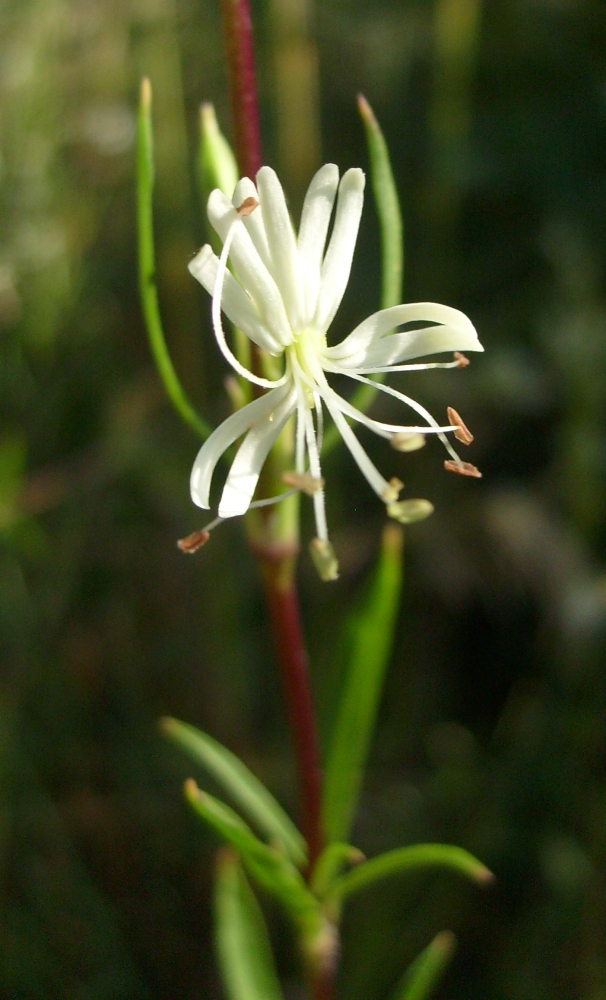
[(493, 729)]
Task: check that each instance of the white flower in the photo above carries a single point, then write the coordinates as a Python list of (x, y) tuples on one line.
[(283, 294)]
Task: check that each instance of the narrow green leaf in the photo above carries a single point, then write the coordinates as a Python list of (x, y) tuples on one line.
[(147, 268), (423, 976), (243, 947), (272, 870), (248, 793), (216, 162), (372, 629), (407, 859), (392, 240), (332, 859)]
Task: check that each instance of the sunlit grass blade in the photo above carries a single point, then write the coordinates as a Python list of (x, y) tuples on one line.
[(243, 947), (370, 643), (423, 976), (410, 859), (147, 268), (392, 240), (247, 792)]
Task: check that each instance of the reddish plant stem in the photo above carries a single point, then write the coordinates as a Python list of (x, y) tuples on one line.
[(237, 28), (283, 607)]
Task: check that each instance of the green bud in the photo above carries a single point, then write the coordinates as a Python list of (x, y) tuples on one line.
[(217, 163)]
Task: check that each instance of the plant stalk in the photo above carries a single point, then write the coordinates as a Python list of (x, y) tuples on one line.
[(237, 29), (283, 608)]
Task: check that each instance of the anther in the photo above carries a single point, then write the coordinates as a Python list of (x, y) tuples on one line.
[(193, 542), (409, 511), (392, 491), (407, 442), (462, 433), (324, 559), (247, 207), (463, 361), (303, 481), (462, 469)]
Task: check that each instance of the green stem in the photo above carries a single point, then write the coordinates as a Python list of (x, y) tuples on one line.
[(147, 269)]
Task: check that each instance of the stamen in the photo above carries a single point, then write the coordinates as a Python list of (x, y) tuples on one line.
[(303, 481), (324, 559), (463, 469), (461, 360), (462, 433), (193, 542), (247, 207), (409, 511), (392, 491), (407, 442)]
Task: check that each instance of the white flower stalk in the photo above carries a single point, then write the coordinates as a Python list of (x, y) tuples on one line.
[(283, 294)]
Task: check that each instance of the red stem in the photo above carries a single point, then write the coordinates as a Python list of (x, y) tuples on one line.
[(237, 28), (283, 609)]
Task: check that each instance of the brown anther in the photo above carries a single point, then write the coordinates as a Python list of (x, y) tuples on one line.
[(462, 469), (463, 361), (462, 433), (247, 207), (303, 481), (193, 542)]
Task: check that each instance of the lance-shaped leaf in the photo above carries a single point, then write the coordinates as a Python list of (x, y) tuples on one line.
[(392, 240), (147, 268), (243, 947), (271, 869), (247, 792), (409, 859), (371, 635), (423, 976)]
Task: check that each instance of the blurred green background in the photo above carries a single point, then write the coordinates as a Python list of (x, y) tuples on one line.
[(493, 725)]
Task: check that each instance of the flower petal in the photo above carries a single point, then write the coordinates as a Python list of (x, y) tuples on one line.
[(285, 265), (246, 467), (253, 222), (339, 255), (315, 219), (367, 345), (235, 303), (249, 268), (225, 435)]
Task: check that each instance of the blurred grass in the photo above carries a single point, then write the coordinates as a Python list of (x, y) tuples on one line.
[(491, 730)]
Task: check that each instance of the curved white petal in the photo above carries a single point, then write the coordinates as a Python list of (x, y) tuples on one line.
[(315, 219), (337, 262), (235, 303), (249, 268), (245, 188), (367, 344), (246, 467), (282, 245), (225, 435)]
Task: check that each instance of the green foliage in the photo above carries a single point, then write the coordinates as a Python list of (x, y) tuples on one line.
[(268, 866), (423, 976), (408, 859), (243, 947), (147, 268), (246, 790), (371, 631), (392, 240)]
